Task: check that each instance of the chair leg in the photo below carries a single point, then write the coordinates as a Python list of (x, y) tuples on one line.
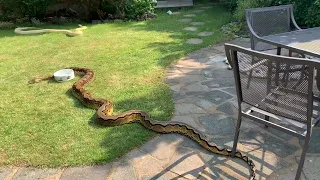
[(236, 135), (302, 158), (267, 119), (278, 50)]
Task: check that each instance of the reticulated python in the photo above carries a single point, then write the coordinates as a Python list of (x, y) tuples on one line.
[(32, 30), (105, 117)]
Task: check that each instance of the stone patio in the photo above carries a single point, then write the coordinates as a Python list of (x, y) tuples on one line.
[(204, 94)]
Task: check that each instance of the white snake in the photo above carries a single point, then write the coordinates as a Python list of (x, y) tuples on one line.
[(32, 30)]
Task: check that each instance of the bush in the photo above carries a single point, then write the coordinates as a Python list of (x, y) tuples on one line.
[(313, 16), (239, 14), (306, 12), (131, 9), (231, 4), (136, 9), (84, 9), (13, 9)]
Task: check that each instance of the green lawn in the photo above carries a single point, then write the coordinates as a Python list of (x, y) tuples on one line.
[(43, 125)]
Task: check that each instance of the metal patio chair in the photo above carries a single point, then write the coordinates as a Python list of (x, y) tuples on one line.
[(269, 21), (288, 106)]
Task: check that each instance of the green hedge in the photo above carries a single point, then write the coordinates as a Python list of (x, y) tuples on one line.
[(306, 12), (88, 9), (12, 9)]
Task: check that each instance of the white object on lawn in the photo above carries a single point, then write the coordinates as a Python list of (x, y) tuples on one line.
[(63, 75), (169, 12)]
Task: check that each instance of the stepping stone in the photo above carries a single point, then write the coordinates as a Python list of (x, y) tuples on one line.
[(198, 11), (185, 20), (190, 29), (175, 13), (190, 15), (206, 7), (205, 33), (194, 41), (197, 23)]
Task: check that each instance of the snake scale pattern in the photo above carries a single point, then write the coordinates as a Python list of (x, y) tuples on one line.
[(106, 118)]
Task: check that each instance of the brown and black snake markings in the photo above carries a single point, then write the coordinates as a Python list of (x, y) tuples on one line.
[(106, 118)]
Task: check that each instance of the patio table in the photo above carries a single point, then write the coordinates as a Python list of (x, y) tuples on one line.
[(304, 41)]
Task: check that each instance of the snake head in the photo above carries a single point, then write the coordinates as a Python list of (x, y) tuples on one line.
[(108, 110)]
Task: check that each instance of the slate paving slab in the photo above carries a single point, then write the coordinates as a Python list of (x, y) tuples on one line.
[(314, 146), (218, 124), (226, 168), (184, 79), (187, 119), (204, 104), (286, 174), (260, 139), (216, 59), (148, 167), (188, 109), (162, 147), (5, 172), (221, 77), (35, 173), (311, 167), (186, 163), (215, 96), (86, 173), (194, 41), (228, 108), (124, 171), (231, 90), (195, 87)]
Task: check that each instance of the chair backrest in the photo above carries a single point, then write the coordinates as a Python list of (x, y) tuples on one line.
[(279, 85), (270, 20)]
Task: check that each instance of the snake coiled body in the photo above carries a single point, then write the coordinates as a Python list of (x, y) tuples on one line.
[(106, 118)]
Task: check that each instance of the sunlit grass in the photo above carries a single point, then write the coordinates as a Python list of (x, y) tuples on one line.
[(43, 125)]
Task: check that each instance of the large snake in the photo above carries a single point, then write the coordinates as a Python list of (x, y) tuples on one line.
[(32, 30), (106, 118)]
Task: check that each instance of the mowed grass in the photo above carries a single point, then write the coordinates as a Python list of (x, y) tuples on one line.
[(43, 125)]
